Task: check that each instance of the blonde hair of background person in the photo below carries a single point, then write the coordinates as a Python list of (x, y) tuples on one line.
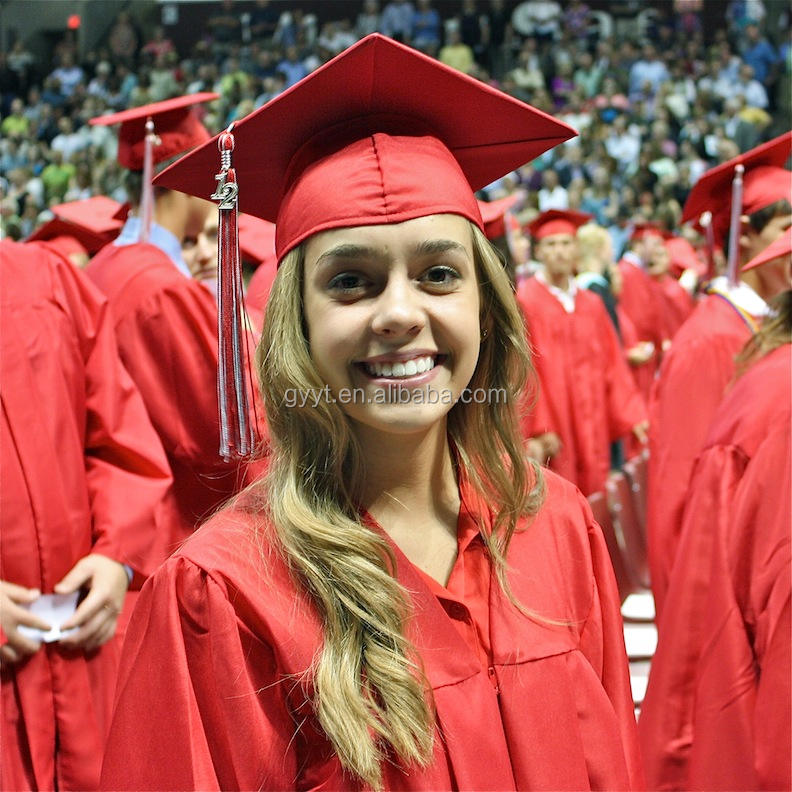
[(311, 496)]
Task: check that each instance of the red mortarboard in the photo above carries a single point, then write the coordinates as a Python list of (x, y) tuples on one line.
[(379, 134), (643, 230), (492, 213), (765, 181), (92, 222), (684, 257), (175, 124), (557, 221), (778, 249)]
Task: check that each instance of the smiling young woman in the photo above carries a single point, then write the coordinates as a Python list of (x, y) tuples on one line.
[(403, 601)]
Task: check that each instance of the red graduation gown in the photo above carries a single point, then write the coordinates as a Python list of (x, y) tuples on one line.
[(586, 395), (641, 301), (693, 377), (677, 304), (166, 325), (717, 709), (213, 693), (82, 472)]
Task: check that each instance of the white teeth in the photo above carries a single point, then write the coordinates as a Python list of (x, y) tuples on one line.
[(408, 368)]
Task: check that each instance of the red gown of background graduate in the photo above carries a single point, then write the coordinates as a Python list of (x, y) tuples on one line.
[(230, 639), (83, 472), (166, 325), (586, 394), (693, 377), (677, 303), (717, 709), (640, 299)]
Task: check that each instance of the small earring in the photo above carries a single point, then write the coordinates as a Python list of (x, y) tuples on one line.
[(484, 333)]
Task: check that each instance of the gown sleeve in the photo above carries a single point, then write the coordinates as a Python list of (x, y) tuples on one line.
[(127, 472), (200, 703), (602, 642)]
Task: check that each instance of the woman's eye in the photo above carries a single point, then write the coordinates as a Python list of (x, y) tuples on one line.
[(442, 276), (347, 282)]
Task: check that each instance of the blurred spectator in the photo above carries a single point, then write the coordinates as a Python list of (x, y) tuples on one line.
[(456, 53), (368, 20), (16, 124), (425, 28), (292, 68), (470, 26), (124, 39), (588, 75), (760, 54), (576, 19), (648, 69), (751, 90), (264, 20), (336, 36), (539, 18), (158, 45), (224, 24), (396, 20), (56, 178), (20, 61), (68, 74), (528, 74), (552, 195)]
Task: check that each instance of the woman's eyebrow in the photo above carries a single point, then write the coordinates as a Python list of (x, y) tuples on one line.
[(349, 252), (433, 247)]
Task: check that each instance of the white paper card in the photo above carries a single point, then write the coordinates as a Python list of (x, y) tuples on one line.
[(54, 609)]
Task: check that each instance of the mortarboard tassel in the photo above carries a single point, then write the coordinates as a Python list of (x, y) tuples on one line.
[(735, 224), (706, 222), (236, 434), (147, 188)]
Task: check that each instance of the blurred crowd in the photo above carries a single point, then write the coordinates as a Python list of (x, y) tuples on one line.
[(655, 103)]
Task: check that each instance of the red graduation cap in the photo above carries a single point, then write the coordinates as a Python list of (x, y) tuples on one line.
[(93, 222), (493, 213), (684, 257), (643, 230), (379, 134), (781, 247), (557, 221), (175, 124), (765, 181)]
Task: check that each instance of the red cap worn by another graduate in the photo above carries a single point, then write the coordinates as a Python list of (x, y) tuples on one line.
[(92, 223), (684, 257), (152, 134), (781, 248), (557, 221), (646, 229), (257, 246), (742, 185), (379, 134), (493, 213)]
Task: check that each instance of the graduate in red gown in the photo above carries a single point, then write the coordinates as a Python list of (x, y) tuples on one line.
[(586, 394), (358, 619), (700, 364), (641, 302), (717, 710), (165, 320), (84, 482)]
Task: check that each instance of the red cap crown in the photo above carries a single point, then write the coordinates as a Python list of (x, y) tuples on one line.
[(557, 221), (765, 181), (93, 223), (175, 124), (380, 134), (493, 213)]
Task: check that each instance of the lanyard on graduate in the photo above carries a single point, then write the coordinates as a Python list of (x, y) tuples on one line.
[(753, 325)]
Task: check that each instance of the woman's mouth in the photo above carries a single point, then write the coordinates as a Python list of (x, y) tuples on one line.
[(396, 370)]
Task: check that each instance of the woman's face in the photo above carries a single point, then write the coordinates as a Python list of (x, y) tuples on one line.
[(392, 313)]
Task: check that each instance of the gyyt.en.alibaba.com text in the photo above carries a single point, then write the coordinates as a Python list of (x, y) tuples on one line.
[(393, 394)]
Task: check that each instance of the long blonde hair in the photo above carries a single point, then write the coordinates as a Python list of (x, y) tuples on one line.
[(371, 696)]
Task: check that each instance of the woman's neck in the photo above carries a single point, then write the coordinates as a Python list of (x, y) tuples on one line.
[(407, 473)]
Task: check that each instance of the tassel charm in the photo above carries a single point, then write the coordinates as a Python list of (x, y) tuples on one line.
[(236, 432), (147, 188), (734, 225)]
